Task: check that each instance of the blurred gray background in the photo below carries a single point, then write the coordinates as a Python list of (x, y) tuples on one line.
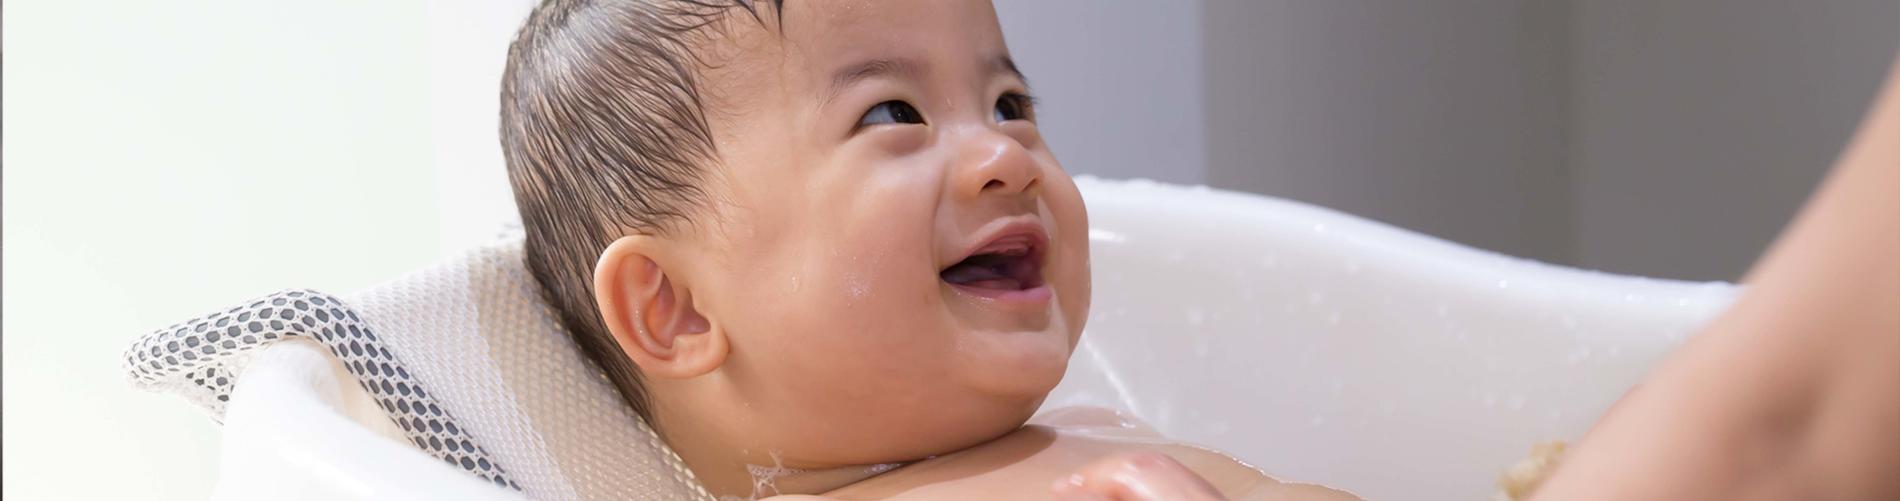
[(1661, 138)]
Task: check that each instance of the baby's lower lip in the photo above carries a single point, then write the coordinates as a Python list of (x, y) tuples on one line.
[(1039, 294)]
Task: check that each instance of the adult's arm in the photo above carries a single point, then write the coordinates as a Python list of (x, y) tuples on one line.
[(1794, 392)]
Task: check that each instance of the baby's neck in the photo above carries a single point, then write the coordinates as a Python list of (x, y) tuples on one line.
[(732, 472), (776, 480)]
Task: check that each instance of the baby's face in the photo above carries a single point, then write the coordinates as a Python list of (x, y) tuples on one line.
[(900, 265)]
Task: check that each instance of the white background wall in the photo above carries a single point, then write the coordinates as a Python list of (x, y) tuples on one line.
[(165, 159)]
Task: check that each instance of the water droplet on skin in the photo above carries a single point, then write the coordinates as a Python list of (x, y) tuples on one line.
[(1269, 261), (1315, 298), (1352, 268), (1490, 400), (1196, 317), (1504, 284), (1443, 311), (1333, 320), (1319, 227), (856, 285), (1570, 323), (1517, 403), (1317, 421)]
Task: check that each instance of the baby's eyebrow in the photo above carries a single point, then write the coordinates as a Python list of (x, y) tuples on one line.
[(1003, 64), (850, 75)]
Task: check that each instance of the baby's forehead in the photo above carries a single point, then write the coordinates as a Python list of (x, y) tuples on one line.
[(809, 49)]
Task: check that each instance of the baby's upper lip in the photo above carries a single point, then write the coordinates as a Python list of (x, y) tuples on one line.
[(1005, 234)]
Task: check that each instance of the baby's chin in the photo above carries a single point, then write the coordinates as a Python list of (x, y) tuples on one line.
[(1016, 365), (947, 432), (984, 407), (1012, 373), (1016, 350)]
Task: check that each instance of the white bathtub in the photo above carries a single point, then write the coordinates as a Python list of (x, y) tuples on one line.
[(1313, 344)]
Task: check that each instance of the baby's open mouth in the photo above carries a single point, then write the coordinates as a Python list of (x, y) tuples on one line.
[(1012, 262)]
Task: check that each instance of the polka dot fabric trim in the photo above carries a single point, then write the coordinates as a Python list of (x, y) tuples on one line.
[(199, 359)]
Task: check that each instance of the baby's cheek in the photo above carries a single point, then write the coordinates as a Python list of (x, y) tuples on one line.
[(868, 319), (1074, 285)]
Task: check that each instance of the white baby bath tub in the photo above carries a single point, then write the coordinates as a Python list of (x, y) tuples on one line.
[(1316, 345), (1323, 347)]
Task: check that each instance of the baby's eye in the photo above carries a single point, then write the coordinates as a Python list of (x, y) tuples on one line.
[(1014, 106), (891, 112)]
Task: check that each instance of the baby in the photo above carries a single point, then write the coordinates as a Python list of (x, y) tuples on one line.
[(822, 248)]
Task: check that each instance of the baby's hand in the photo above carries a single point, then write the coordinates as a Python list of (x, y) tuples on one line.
[(1136, 476)]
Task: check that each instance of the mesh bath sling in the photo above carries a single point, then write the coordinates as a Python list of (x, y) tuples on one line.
[(463, 359)]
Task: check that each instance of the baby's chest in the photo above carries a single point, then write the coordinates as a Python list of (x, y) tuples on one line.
[(1024, 465)]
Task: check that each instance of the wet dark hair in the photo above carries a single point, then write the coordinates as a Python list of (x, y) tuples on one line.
[(604, 133)]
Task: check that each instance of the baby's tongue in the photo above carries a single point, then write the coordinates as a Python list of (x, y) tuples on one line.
[(981, 273)]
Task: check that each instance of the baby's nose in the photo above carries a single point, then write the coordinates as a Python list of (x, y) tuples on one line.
[(992, 163)]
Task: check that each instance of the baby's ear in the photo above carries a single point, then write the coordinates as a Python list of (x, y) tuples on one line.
[(651, 314)]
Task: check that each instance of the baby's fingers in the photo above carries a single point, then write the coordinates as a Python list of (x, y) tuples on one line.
[(1135, 477)]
